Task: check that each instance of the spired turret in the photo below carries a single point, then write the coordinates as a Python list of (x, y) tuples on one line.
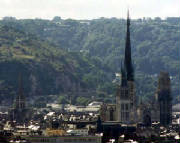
[(20, 113), (20, 99)]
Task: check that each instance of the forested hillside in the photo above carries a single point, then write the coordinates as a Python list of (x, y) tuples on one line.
[(155, 47), (45, 68)]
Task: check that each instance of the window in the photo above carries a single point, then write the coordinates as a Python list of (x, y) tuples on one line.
[(127, 116), (127, 107), (122, 106)]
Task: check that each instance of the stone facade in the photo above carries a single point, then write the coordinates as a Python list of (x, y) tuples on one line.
[(108, 112), (125, 103)]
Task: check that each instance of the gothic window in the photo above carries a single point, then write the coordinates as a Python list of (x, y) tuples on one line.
[(126, 107), (126, 93), (122, 106), (122, 94), (127, 116), (111, 114)]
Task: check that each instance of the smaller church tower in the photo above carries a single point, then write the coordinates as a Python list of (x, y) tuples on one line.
[(20, 102), (165, 98), (20, 113)]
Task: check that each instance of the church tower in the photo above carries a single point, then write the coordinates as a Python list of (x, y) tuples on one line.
[(165, 99), (20, 99), (19, 112), (125, 97)]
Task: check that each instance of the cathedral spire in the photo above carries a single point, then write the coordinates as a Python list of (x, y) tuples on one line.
[(128, 61)]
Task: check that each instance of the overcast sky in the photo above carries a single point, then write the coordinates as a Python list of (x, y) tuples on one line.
[(89, 9)]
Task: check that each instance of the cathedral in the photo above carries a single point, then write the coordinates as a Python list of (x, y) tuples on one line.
[(126, 110)]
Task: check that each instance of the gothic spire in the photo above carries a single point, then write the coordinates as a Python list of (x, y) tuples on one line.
[(20, 100), (128, 61)]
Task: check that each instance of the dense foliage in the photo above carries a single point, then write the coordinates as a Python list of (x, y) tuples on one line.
[(89, 51), (45, 68)]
